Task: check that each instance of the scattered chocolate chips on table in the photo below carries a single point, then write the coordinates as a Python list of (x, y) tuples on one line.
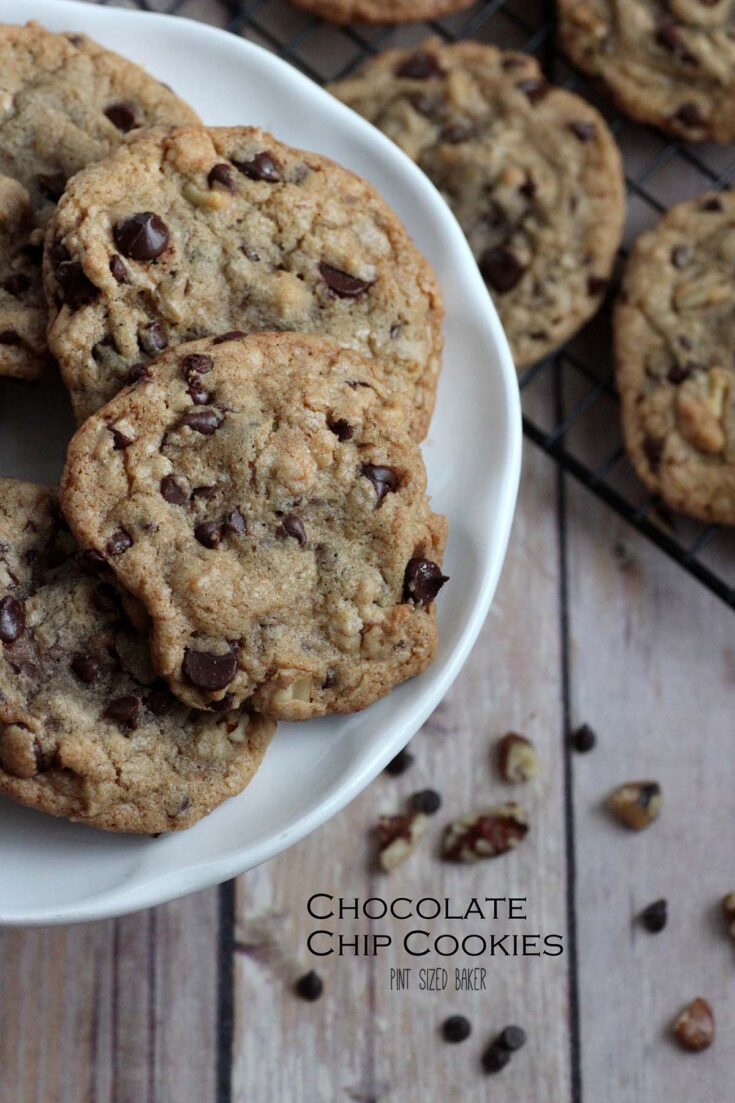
[(517, 759), (456, 1029), (310, 986), (694, 1027), (427, 801), (495, 1058), (583, 739), (636, 804), (655, 916), (398, 765)]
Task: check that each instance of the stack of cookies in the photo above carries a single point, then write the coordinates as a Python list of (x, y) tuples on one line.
[(251, 344)]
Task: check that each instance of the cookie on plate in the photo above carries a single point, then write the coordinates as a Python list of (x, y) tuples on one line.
[(23, 350), (671, 65), (64, 101), (382, 11), (674, 328), (86, 729), (187, 232), (531, 172), (263, 499)]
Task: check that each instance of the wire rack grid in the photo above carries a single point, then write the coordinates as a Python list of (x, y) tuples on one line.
[(569, 401)]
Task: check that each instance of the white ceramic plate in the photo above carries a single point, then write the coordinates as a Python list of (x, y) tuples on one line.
[(56, 872)]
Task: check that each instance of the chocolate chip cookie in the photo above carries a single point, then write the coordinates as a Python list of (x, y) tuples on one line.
[(262, 497), (674, 336), (64, 101), (86, 729), (382, 11), (530, 171), (192, 231), (671, 65)]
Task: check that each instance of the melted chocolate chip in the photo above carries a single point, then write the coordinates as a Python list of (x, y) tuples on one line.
[(118, 269), (16, 284), (153, 339), (419, 66), (12, 620), (501, 268), (585, 131), (172, 491), (293, 526), (423, 581), (139, 373), (690, 116), (341, 429), (124, 710), (142, 237), (209, 533), (535, 89), (343, 285), (384, 479), (75, 287), (121, 115), (196, 364), (231, 335), (120, 440), (681, 256), (86, 667), (235, 522), (208, 671), (118, 543), (221, 174), (159, 700), (202, 421), (260, 167)]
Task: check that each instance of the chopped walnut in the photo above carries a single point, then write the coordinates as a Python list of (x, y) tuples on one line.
[(694, 1027), (486, 834), (636, 803), (398, 836), (517, 759)]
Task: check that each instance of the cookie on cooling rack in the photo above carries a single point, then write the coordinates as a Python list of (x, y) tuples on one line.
[(671, 65), (531, 172), (64, 101), (86, 730), (267, 506), (674, 337), (382, 11), (194, 231)]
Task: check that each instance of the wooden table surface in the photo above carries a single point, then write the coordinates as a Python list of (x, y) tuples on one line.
[(193, 1003)]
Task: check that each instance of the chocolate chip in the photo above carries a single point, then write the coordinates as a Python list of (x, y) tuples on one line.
[(196, 364), (51, 185), (669, 37), (293, 526), (142, 237), (119, 440), (153, 339), (309, 987), (121, 115), (711, 204), (679, 372), (260, 167), (124, 710), (535, 89), (159, 700), (423, 581), (583, 739), (118, 269), (172, 491), (91, 561), (9, 337), (585, 131), (208, 671), (426, 801), (75, 287), (16, 284), (202, 421), (221, 174), (398, 765), (384, 479), (495, 1058), (119, 542), (456, 1028), (139, 373), (501, 268), (209, 533), (512, 1038), (86, 667), (528, 188), (655, 916), (681, 256), (419, 66), (231, 335), (341, 429), (344, 285), (596, 285), (653, 451), (12, 619), (690, 116), (235, 522)]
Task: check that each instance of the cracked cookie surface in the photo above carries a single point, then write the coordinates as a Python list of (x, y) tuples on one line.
[(674, 328), (193, 231), (64, 102), (86, 729), (531, 172), (668, 64), (263, 499)]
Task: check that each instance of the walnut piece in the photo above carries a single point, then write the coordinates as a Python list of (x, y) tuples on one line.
[(636, 803), (398, 836), (694, 1027), (517, 759), (487, 834)]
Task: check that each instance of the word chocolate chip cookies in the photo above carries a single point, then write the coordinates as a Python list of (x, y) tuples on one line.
[(186, 232), (531, 172), (86, 729), (64, 102), (674, 337), (672, 65), (262, 497)]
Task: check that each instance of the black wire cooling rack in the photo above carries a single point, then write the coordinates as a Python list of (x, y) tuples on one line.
[(569, 402)]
